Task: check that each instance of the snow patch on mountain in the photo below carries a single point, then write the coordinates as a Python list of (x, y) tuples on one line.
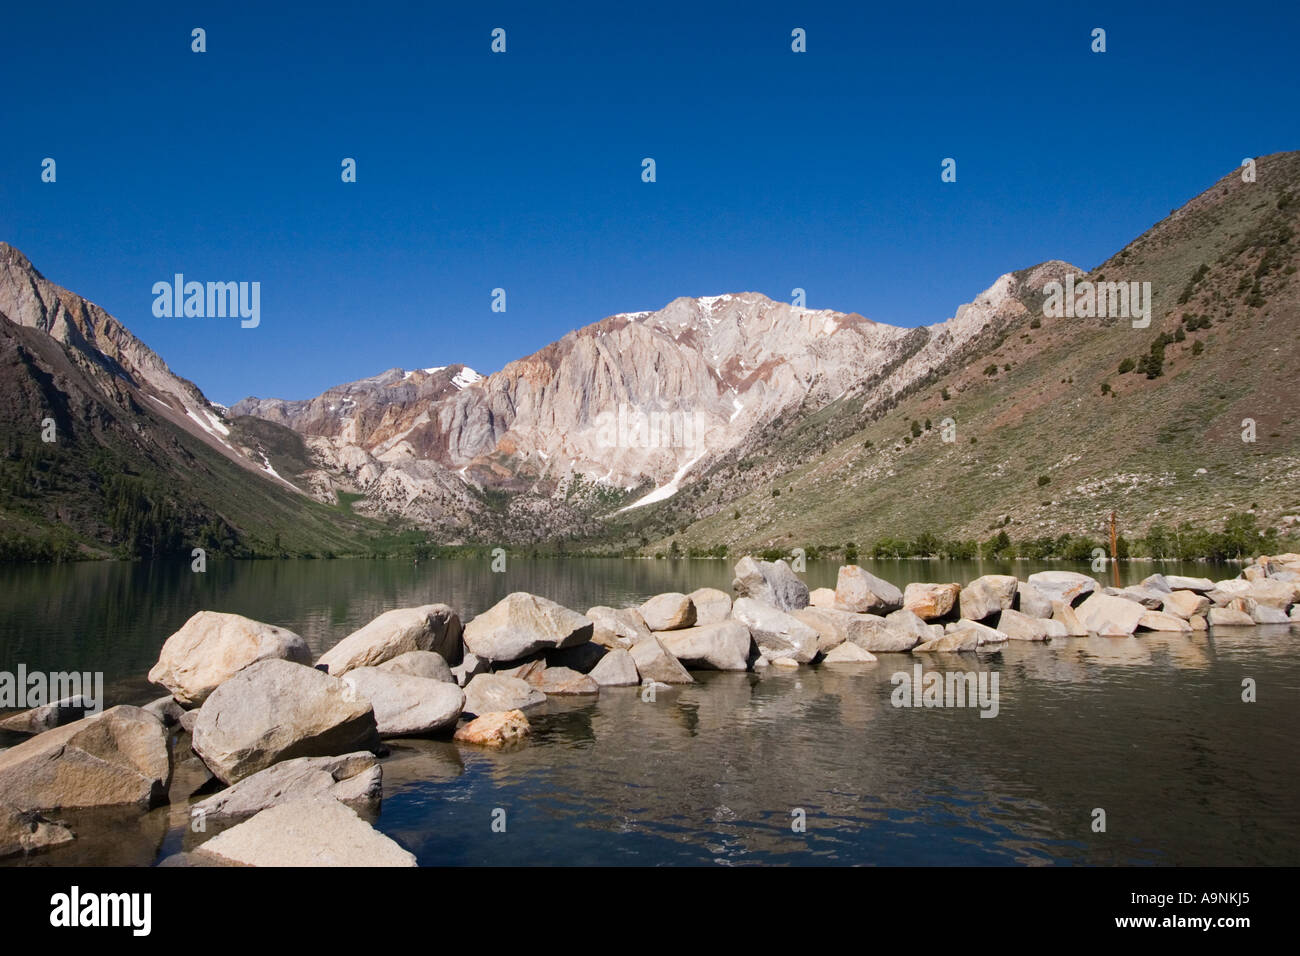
[(466, 377), (667, 490)]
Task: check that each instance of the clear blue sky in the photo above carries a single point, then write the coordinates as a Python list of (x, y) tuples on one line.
[(523, 170)]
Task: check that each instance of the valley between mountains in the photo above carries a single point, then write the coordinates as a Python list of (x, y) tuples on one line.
[(733, 422)]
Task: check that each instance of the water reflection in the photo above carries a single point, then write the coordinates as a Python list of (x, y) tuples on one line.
[(1150, 728)]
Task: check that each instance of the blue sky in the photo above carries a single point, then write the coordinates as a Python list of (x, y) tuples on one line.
[(522, 170)]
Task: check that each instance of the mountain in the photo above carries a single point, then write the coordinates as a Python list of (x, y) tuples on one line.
[(739, 421), (795, 425), (140, 463), (1057, 421), (613, 417)]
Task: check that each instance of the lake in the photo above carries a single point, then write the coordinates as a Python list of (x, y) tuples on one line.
[(807, 766)]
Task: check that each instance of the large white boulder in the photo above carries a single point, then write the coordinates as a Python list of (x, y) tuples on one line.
[(276, 710), (931, 601), (777, 634), (315, 831), (1068, 586), (432, 627), (770, 582), (488, 693), (987, 595), (668, 612), (210, 647), (711, 605), (723, 646), (521, 624), (355, 779), (119, 757), (1109, 616), (857, 589), (406, 705)]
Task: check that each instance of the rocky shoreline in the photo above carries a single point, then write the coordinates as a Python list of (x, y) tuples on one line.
[(281, 755)]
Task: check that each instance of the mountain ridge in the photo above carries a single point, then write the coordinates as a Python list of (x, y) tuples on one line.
[(105, 452), (652, 428)]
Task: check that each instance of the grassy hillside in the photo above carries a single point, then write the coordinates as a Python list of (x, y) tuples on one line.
[(121, 481), (1050, 436)]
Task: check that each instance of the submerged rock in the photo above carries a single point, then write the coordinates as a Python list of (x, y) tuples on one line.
[(23, 832), (495, 729)]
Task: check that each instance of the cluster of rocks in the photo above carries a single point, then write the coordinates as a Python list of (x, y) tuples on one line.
[(292, 744)]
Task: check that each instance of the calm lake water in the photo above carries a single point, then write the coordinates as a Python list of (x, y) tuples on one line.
[(1151, 729)]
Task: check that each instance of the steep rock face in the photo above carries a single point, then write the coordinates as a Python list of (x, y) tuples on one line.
[(142, 464), (636, 401), (124, 368)]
